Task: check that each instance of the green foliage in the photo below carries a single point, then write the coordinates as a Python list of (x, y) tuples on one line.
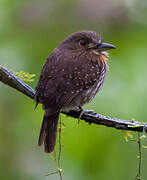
[(26, 77), (127, 135)]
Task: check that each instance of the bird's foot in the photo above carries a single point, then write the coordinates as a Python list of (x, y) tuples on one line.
[(82, 112)]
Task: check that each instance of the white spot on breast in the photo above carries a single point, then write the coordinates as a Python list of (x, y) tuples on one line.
[(99, 41), (70, 75)]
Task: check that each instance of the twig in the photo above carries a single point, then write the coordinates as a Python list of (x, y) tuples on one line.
[(51, 173), (138, 176), (60, 148), (11, 80), (140, 145), (57, 159), (60, 145)]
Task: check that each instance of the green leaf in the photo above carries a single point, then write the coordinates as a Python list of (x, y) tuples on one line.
[(127, 135), (26, 77)]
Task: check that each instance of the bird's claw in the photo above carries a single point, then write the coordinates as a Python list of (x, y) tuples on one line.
[(84, 112)]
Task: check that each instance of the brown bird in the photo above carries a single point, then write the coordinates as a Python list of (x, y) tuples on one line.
[(70, 78)]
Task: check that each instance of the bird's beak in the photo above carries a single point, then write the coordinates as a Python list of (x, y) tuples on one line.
[(104, 46)]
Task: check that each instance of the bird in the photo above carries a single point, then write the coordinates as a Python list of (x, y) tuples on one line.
[(71, 76)]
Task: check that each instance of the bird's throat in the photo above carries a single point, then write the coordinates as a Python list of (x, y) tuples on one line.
[(100, 56)]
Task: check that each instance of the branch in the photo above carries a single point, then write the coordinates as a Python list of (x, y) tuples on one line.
[(13, 81)]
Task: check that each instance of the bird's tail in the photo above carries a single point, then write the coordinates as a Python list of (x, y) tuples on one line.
[(48, 132)]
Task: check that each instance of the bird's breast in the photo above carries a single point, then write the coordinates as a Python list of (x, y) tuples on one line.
[(93, 90)]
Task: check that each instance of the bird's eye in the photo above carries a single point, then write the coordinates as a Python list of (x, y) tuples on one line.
[(83, 42)]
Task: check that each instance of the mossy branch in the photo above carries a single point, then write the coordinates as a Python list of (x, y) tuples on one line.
[(10, 79)]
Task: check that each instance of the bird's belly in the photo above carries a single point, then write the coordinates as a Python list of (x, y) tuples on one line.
[(91, 92), (84, 97)]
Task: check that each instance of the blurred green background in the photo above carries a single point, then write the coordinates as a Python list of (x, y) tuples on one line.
[(29, 31)]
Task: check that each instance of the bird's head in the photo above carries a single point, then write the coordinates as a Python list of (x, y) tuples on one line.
[(86, 41)]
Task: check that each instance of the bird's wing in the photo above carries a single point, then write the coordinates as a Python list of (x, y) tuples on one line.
[(63, 79)]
